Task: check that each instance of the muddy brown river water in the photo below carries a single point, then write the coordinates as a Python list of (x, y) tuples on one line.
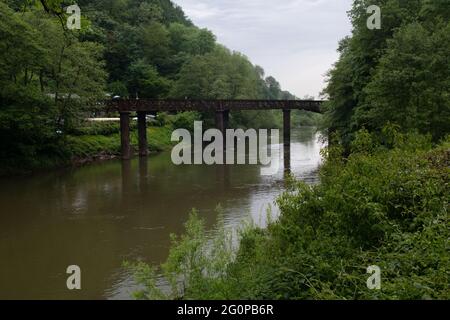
[(99, 215)]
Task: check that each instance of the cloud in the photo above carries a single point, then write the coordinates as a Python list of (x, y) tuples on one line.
[(293, 40)]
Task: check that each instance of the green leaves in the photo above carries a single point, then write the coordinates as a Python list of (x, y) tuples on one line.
[(145, 81), (52, 6), (399, 74), (47, 79)]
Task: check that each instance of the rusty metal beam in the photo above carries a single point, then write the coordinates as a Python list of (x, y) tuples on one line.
[(140, 105), (220, 123)]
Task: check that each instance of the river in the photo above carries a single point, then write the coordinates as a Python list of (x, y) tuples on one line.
[(102, 214)]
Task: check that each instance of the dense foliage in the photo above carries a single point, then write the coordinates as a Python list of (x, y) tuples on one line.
[(398, 74), (47, 79)]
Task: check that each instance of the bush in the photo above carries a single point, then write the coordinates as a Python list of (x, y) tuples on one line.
[(28, 132), (100, 128), (191, 258), (184, 120)]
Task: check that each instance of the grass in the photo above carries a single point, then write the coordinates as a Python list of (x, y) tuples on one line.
[(88, 146)]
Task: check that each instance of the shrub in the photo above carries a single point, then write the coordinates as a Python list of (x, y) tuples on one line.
[(100, 128)]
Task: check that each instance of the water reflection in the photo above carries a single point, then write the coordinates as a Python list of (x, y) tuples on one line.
[(102, 214)]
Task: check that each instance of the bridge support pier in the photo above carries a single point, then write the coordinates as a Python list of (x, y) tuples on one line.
[(125, 135), (220, 121), (222, 124), (287, 139), (142, 134), (223, 120), (226, 120)]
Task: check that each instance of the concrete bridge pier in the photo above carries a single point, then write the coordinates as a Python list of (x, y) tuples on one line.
[(125, 135), (142, 134), (222, 119), (226, 120), (287, 139), (222, 124)]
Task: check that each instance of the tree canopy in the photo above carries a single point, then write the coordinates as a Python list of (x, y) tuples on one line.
[(398, 74)]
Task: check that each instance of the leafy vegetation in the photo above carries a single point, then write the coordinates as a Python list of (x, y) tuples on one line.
[(399, 74)]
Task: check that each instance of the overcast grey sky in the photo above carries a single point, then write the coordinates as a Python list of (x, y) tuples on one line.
[(293, 40)]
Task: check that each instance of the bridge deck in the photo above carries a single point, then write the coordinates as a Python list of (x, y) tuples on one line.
[(142, 105)]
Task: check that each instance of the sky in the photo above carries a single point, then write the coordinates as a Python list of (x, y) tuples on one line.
[(293, 40)]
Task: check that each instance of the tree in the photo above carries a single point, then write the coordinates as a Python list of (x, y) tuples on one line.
[(375, 81), (273, 88), (154, 42), (144, 81), (47, 79), (411, 86)]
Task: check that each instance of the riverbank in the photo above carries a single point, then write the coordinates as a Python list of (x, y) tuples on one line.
[(385, 205), (90, 148), (80, 149), (89, 142)]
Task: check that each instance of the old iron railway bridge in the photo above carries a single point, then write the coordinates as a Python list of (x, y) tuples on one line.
[(221, 108)]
